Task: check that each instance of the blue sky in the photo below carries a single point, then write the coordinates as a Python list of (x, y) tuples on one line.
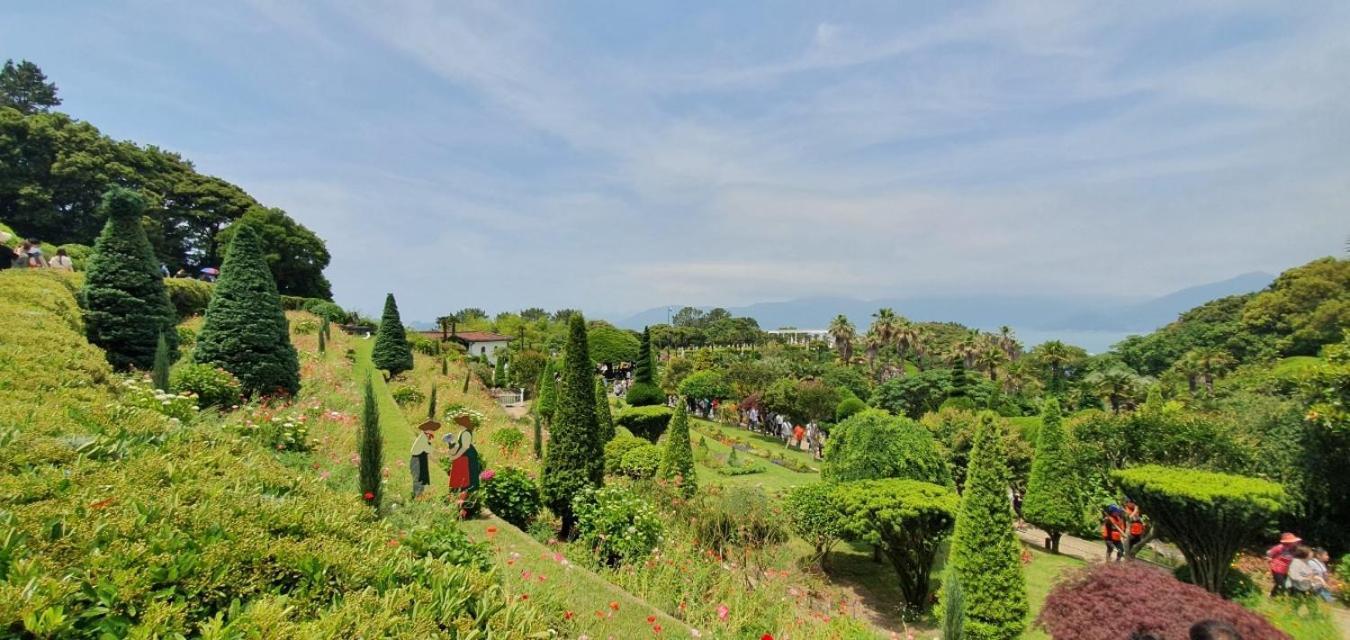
[(616, 156)]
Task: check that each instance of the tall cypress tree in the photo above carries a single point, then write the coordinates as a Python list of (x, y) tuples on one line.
[(1052, 501), (160, 374), (126, 306), (575, 458), (644, 391), (678, 457), (431, 405), (547, 399), (985, 554), (499, 372), (603, 419), (245, 331), (391, 351), (371, 447)]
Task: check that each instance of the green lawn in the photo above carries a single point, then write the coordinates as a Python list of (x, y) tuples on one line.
[(758, 439), (398, 434), (773, 478)]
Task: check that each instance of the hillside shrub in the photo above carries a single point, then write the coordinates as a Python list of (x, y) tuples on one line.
[(574, 459), (740, 518), (1236, 585), (874, 444), (1208, 515), (370, 446), (814, 517), (391, 351), (213, 386), (1141, 600), (187, 337), (677, 458), (508, 440), (641, 462), (189, 297), (616, 525), (1052, 501), (407, 396), (647, 422), (1343, 576), (907, 520), (325, 309), (245, 331), (445, 541), (139, 391), (848, 407), (617, 448), (604, 420), (126, 306), (305, 327), (644, 394), (985, 554), (644, 391), (513, 496), (705, 385)]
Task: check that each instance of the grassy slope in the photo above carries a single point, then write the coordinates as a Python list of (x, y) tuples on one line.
[(521, 559), (773, 479)]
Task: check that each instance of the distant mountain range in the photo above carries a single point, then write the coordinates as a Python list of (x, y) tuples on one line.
[(1030, 313)]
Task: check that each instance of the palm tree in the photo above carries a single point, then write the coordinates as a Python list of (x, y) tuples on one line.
[(1209, 362), (1017, 375), (873, 343), (884, 323), (1007, 341), (1186, 366), (843, 333), (447, 325), (990, 357), (1117, 385), (920, 342), (1055, 355), (907, 337), (967, 347)]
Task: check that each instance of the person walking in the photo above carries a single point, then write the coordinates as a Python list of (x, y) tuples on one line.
[(1112, 526), (61, 261), (35, 260), (1279, 557)]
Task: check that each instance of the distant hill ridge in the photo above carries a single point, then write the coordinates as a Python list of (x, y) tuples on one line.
[(1027, 312)]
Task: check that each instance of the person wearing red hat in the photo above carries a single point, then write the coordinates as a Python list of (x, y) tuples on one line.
[(1280, 556)]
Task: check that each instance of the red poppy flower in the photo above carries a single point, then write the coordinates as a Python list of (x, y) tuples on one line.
[(567, 615), (656, 628), (369, 495), (651, 619), (766, 636), (614, 605)]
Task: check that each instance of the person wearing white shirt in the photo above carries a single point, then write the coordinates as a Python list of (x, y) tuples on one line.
[(61, 261)]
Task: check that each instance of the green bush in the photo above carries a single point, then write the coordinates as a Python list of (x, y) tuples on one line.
[(1209, 516), (305, 327), (325, 309), (1343, 575), (187, 337), (615, 524), (616, 448), (213, 386), (513, 496), (1052, 500), (391, 352), (741, 517), (509, 440), (608, 344), (445, 541), (126, 306), (407, 396), (705, 385), (874, 444), (644, 394), (907, 520), (814, 516), (641, 462), (245, 331), (848, 407), (644, 391), (647, 422), (1236, 585), (189, 297), (677, 459), (140, 392), (604, 420)]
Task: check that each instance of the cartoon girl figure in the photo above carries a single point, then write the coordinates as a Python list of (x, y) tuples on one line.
[(465, 464)]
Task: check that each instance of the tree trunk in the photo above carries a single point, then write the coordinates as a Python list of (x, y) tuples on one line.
[(1054, 541)]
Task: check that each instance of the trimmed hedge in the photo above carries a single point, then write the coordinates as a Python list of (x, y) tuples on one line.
[(1209, 516), (616, 448), (641, 462), (907, 519), (677, 458), (391, 352), (189, 297), (645, 422), (874, 444)]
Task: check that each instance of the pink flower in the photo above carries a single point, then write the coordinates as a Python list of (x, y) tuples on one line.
[(487, 474), (722, 612)]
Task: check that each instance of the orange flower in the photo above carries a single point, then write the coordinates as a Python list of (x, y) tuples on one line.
[(614, 605), (651, 619), (567, 615)]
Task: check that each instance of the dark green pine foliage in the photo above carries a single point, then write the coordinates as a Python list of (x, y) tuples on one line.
[(445, 365), (159, 375), (468, 375), (323, 339), (431, 405), (644, 391), (371, 448), (245, 330), (391, 352), (538, 438), (603, 419), (499, 373), (126, 308), (547, 400), (575, 459), (1052, 501), (678, 458), (960, 380), (985, 554)]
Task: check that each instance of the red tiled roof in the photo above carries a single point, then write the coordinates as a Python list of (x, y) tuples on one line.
[(470, 336)]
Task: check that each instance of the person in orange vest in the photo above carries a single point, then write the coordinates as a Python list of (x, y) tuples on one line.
[(798, 433), (1113, 524), (1136, 520)]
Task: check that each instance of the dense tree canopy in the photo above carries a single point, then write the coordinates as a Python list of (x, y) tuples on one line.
[(611, 345), (874, 444), (907, 520), (25, 88), (295, 255), (1307, 306)]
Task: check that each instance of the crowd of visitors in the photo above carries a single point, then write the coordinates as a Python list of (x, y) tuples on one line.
[(1121, 524), (28, 255), (1298, 569)]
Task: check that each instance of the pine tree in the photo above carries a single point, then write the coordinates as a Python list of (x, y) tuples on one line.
[(431, 405), (644, 391), (985, 554), (371, 447), (538, 438), (603, 419), (547, 400), (245, 331), (1052, 501), (323, 340), (126, 307), (678, 458), (499, 373), (160, 374), (575, 458), (391, 351), (445, 365)]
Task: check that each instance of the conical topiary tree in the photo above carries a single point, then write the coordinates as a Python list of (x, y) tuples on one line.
[(677, 461), (126, 307), (574, 459), (1052, 501), (603, 419), (159, 375), (499, 372), (547, 400), (985, 555), (644, 391), (431, 405), (245, 331), (391, 352), (371, 448)]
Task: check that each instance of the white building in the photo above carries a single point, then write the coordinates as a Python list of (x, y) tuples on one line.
[(476, 343)]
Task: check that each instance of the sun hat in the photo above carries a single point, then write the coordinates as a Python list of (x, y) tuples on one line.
[(1289, 538), (429, 425)]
